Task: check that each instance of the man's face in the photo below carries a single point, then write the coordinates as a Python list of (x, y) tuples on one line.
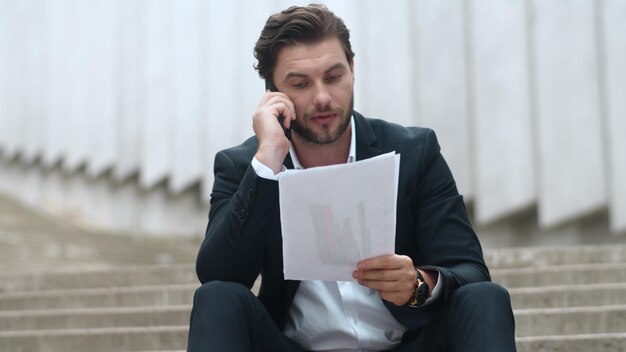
[(319, 81)]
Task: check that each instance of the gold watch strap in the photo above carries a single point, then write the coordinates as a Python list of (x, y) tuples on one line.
[(420, 292)]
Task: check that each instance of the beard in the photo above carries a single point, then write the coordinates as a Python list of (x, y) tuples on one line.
[(327, 135)]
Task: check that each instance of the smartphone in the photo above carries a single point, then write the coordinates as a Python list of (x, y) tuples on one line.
[(269, 86)]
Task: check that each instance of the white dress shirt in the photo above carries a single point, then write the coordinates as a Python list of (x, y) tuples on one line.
[(338, 316)]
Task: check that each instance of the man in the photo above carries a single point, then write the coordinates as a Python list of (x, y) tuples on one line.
[(433, 294)]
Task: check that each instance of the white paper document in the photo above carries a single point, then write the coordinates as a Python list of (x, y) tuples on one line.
[(334, 216)]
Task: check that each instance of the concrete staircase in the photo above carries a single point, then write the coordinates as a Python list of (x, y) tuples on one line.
[(125, 297), (565, 299), (126, 309), (568, 299), (64, 288)]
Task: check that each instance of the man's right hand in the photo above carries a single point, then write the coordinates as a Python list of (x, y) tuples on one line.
[(273, 145)]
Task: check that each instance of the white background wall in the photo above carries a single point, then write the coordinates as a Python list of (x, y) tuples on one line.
[(111, 110)]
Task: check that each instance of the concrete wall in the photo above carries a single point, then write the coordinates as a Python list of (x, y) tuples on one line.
[(111, 110)]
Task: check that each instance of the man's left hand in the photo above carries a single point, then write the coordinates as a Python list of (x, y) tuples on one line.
[(393, 276)]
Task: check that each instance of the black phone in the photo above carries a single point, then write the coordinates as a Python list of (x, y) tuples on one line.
[(270, 86)]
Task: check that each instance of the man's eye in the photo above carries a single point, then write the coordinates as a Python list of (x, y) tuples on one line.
[(333, 78), (299, 85)]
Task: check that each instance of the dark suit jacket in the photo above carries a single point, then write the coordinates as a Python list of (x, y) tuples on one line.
[(243, 237)]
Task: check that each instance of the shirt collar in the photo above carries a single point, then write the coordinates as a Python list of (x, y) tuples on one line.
[(351, 156)]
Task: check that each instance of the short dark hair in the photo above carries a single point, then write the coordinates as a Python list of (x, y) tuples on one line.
[(298, 25)]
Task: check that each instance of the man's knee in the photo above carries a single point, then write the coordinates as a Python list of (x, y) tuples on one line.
[(481, 316), (221, 291), (482, 299), (485, 292)]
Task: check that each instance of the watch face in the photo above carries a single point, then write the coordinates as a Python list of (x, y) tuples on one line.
[(422, 294)]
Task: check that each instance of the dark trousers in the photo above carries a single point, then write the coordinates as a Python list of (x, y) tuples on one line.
[(228, 317)]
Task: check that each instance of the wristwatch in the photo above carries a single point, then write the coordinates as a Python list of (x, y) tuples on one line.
[(421, 291)]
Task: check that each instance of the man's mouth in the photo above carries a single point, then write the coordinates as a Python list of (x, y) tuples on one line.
[(324, 118)]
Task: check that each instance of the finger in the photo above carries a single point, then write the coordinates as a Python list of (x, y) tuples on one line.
[(286, 107), (273, 97), (382, 286), (380, 275), (403, 278), (282, 109), (392, 261), (290, 113)]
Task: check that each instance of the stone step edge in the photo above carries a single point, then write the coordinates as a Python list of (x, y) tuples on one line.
[(579, 337), (568, 288), (93, 331), (98, 290), (93, 311), (558, 268), (99, 270), (569, 310), (542, 255)]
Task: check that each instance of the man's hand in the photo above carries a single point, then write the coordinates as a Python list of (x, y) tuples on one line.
[(393, 276), (273, 145)]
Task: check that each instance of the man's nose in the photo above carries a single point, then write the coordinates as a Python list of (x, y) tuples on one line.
[(322, 96)]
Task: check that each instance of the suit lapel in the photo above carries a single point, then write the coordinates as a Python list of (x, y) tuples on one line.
[(366, 141)]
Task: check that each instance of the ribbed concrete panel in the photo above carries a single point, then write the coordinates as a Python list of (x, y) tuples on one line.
[(187, 94), (103, 84), (19, 68), (441, 81), (10, 69), (384, 62), (29, 52), (4, 74), (568, 122), (28, 177), (157, 80), (129, 118), (503, 141), (156, 88), (614, 16), (57, 79), (251, 18), (77, 133), (223, 110)]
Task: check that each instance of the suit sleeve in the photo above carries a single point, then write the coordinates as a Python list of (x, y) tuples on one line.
[(445, 238), (241, 205)]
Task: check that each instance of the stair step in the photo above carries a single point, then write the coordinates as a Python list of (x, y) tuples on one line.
[(560, 275), (570, 321), (141, 275), (549, 256), (99, 297), (569, 296), (52, 319), (96, 340), (610, 342)]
